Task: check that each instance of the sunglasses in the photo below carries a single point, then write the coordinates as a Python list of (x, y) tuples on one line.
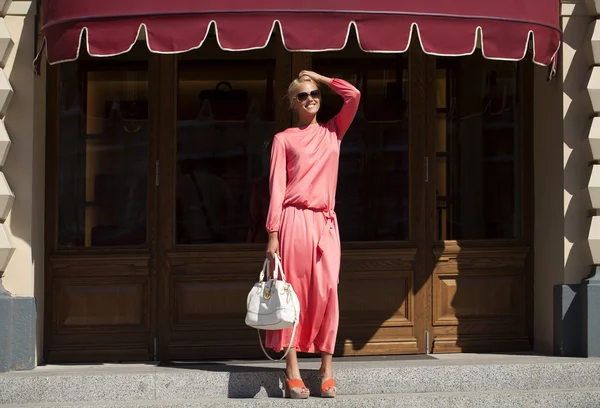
[(302, 96)]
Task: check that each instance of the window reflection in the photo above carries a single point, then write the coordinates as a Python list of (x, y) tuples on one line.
[(372, 202), (478, 141), (225, 124), (102, 157)]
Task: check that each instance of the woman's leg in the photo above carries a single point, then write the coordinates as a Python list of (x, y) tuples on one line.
[(328, 389), (326, 370), (292, 370)]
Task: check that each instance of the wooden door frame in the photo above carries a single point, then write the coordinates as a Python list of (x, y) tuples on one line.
[(526, 96), (422, 103), (168, 91), (51, 190)]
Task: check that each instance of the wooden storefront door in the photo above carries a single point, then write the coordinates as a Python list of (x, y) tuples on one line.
[(157, 191), (480, 224), (100, 296)]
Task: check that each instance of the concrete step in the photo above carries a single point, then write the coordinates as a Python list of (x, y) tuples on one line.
[(358, 379), (583, 398)]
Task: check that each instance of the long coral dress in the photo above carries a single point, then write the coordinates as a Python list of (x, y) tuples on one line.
[(303, 180)]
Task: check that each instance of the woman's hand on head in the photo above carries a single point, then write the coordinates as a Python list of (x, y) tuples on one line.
[(320, 79), (273, 246), (311, 74)]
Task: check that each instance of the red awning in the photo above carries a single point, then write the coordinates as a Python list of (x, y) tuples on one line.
[(445, 28)]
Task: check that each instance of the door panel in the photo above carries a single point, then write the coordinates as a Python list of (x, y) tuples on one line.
[(208, 292), (101, 312), (481, 245), (100, 292), (479, 298), (377, 305)]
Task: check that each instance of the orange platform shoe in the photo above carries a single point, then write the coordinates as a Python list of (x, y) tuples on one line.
[(328, 388), (295, 388)]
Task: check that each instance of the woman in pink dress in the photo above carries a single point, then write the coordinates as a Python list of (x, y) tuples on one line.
[(302, 224)]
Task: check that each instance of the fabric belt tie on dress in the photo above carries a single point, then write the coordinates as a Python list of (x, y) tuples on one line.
[(328, 229)]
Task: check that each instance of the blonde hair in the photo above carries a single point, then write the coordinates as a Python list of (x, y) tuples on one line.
[(291, 92)]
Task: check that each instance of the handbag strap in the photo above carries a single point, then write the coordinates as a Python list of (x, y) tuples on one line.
[(286, 351)]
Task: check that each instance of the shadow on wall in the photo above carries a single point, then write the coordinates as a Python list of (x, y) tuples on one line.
[(569, 316), (24, 167), (576, 127)]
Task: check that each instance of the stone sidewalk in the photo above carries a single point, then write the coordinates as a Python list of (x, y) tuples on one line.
[(460, 380)]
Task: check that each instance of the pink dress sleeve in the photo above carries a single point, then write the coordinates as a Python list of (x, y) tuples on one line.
[(277, 184), (351, 96)]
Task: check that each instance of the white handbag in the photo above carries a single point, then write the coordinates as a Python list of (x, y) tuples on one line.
[(273, 304)]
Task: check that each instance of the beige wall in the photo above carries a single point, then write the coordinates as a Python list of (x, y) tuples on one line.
[(562, 115), (548, 186), (24, 167), (19, 276), (576, 113)]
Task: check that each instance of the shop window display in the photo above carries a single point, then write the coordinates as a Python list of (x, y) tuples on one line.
[(372, 201), (479, 148), (225, 124), (102, 157)]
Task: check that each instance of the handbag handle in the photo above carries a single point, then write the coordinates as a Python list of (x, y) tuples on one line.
[(276, 271), (265, 271)]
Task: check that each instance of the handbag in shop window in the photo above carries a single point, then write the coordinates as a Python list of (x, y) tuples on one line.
[(273, 304)]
